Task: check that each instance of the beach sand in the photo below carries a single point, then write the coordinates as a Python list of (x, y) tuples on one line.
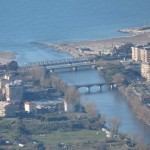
[(7, 56), (100, 45)]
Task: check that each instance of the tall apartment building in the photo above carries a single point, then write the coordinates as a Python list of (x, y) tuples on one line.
[(141, 53), (145, 69), (14, 91)]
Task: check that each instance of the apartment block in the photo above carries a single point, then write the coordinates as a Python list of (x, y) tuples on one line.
[(7, 109), (14, 91), (145, 69), (141, 53)]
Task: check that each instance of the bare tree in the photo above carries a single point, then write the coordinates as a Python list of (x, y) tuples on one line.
[(37, 72), (102, 120), (91, 109), (55, 81), (114, 124), (63, 86), (118, 78), (45, 82), (72, 95)]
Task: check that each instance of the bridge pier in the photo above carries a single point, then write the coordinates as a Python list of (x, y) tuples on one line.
[(74, 68), (88, 89), (51, 70), (111, 86), (94, 66), (100, 88)]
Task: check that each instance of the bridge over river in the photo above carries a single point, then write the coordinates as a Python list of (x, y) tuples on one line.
[(99, 85), (73, 67), (61, 61)]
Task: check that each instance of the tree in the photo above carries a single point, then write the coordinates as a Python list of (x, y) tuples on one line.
[(114, 124), (13, 65), (102, 120), (45, 82), (91, 109), (125, 49), (72, 95), (37, 72), (118, 78), (55, 81), (63, 86)]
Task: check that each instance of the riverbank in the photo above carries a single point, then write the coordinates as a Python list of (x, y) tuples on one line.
[(7, 56), (117, 72)]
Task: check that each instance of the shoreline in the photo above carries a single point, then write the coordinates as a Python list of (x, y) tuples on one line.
[(7, 56), (104, 45)]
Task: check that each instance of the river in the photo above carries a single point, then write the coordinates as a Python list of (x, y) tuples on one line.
[(27, 21), (111, 103)]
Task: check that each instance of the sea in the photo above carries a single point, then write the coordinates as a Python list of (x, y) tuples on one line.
[(25, 21)]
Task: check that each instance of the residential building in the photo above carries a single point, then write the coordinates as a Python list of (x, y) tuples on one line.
[(148, 76), (145, 69), (44, 106), (30, 107), (3, 82), (7, 109), (14, 91), (141, 53)]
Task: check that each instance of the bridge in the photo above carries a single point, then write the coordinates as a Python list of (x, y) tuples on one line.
[(61, 61), (99, 85), (74, 67)]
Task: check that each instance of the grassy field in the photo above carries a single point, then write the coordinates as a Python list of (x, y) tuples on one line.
[(70, 138)]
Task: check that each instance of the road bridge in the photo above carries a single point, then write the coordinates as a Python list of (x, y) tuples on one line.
[(99, 85), (61, 61), (72, 66)]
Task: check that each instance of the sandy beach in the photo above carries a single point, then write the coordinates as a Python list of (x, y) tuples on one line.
[(99, 45), (7, 56)]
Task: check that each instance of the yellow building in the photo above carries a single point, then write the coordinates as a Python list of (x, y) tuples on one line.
[(141, 53), (145, 68), (30, 107), (7, 109)]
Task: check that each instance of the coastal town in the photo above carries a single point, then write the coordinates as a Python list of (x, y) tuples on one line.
[(36, 103)]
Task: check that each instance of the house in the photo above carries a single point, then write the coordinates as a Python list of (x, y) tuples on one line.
[(30, 107)]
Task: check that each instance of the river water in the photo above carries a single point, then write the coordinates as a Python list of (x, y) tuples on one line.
[(111, 103)]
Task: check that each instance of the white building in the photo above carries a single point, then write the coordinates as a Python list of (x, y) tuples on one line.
[(30, 107), (68, 107)]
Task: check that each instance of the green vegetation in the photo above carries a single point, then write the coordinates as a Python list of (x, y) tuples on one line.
[(111, 69), (124, 49), (71, 128), (70, 137)]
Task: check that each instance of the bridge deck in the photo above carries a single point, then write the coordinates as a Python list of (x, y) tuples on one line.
[(70, 65)]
